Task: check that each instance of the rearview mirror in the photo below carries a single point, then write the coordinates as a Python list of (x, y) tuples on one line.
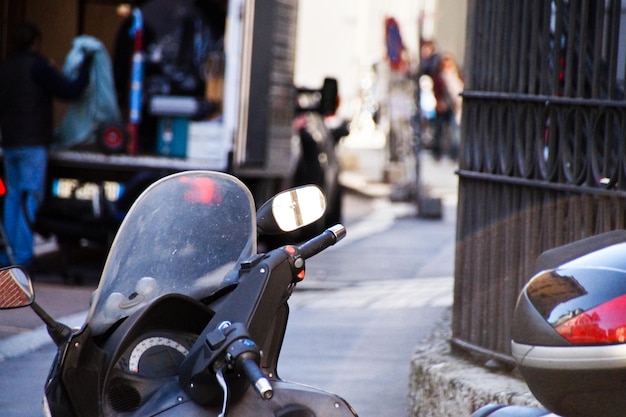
[(324, 101), (330, 97), (16, 288), (291, 210)]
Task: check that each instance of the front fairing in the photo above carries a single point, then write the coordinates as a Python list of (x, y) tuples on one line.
[(183, 235), (167, 278)]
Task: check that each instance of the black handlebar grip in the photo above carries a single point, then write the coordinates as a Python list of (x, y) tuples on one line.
[(255, 375), (328, 238)]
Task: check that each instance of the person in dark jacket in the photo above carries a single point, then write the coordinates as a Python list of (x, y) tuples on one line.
[(28, 84)]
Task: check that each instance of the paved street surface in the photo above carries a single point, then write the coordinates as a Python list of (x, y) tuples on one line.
[(378, 297), (363, 307)]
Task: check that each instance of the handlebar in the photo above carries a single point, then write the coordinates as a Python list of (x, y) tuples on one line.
[(244, 354), (326, 239), (229, 344), (255, 376)]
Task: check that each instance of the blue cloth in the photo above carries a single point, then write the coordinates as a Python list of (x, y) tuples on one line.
[(98, 103), (18, 169)]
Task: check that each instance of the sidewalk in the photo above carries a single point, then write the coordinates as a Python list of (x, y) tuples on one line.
[(438, 180), (443, 383)]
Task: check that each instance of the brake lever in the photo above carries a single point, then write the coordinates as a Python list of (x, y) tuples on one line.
[(243, 355), (219, 374)]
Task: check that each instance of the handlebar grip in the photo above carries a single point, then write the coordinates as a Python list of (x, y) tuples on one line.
[(320, 242), (256, 377)]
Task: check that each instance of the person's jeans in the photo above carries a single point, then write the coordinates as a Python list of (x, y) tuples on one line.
[(25, 172)]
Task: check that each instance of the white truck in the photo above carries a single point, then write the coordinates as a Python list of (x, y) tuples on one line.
[(253, 128)]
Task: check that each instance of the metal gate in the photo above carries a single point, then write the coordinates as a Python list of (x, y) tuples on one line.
[(543, 158)]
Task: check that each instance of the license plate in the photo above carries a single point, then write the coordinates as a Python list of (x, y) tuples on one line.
[(67, 188)]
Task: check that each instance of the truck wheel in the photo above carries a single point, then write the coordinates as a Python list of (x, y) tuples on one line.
[(112, 138), (335, 207), (263, 189)]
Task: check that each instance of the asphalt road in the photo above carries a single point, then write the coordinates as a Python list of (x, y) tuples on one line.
[(371, 302)]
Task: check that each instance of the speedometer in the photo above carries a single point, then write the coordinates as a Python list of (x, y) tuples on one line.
[(157, 356)]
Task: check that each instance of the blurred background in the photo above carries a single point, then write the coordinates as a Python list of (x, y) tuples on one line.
[(344, 39)]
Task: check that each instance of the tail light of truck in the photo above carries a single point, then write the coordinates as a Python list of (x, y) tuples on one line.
[(70, 188)]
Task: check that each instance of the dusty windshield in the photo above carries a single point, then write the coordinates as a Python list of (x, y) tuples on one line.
[(185, 235)]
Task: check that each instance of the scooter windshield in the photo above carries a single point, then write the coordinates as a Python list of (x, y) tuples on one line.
[(183, 235)]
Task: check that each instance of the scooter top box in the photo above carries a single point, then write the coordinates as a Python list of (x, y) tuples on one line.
[(569, 334)]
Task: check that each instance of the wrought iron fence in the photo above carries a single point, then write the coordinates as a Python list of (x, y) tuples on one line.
[(543, 158)]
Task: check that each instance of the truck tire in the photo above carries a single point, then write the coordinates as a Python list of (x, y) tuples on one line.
[(263, 189), (334, 209)]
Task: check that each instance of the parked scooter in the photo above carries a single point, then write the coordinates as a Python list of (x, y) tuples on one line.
[(188, 319), (569, 331)]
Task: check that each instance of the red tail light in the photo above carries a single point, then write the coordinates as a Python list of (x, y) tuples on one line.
[(3, 189), (604, 324)]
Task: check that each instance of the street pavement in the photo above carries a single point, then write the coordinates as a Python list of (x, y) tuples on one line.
[(378, 292)]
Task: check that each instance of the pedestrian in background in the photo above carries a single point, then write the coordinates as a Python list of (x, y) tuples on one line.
[(28, 84), (452, 84), (447, 85), (430, 58), (430, 66)]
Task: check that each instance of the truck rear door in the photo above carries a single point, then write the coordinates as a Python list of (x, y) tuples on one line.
[(263, 137)]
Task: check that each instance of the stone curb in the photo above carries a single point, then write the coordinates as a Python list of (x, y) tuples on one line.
[(443, 384)]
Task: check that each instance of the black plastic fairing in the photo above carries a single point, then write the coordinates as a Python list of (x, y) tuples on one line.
[(556, 257)]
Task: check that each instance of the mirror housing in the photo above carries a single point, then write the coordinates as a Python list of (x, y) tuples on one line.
[(16, 288), (330, 97), (291, 210), (324, 100)]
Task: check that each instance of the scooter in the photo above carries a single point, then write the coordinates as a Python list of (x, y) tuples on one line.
[(569, 332), (188, 319)]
